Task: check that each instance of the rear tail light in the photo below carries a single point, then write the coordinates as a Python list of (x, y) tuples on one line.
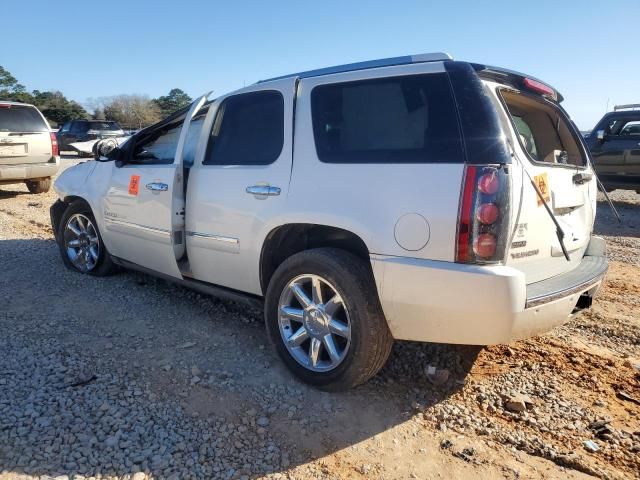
[(483, 219), (54, 144), (488, 213), (484, 245)]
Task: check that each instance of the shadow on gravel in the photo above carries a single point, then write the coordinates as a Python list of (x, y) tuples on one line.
[(129, 374), (607, 223), (4, 193)]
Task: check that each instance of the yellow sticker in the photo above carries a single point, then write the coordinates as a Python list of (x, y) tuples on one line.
[(542, 182)]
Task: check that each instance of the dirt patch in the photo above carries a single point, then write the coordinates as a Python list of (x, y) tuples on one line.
[(173, 384)]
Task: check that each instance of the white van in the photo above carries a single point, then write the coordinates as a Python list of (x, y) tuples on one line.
[(415, 198)]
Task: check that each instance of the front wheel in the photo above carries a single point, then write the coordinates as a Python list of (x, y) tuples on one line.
[(80, 242), (324, 318)]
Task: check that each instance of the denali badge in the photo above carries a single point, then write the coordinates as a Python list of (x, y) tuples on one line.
[(519, 244), (528, 253)]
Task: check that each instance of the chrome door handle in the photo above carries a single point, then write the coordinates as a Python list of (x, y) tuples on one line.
[(264, 190), (157, 187)]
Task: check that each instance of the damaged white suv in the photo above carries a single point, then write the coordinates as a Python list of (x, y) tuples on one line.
[(415, 198)]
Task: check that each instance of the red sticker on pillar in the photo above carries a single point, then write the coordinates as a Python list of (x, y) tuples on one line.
[(134, 184)]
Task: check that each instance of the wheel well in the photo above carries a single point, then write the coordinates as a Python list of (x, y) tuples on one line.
[(287, 240), (58, 208)]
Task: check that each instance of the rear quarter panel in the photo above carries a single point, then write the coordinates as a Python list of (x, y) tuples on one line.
[(370, 199)]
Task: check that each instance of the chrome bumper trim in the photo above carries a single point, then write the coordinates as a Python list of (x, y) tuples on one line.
[(588, 274)]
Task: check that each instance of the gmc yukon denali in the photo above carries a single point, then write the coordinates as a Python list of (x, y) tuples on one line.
[(416, 198)]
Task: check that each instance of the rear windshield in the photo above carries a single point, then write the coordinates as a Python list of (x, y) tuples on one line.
[(103, 126), (408, 119), (18, 118), (543, 130)]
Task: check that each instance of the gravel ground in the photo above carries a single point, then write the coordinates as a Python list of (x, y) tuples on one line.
[(130, 377)]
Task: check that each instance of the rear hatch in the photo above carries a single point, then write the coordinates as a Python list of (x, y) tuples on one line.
[(550, 153), (24, 135)]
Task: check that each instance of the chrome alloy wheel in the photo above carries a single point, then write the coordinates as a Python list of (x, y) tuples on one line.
[(314, 323), (81, 242)]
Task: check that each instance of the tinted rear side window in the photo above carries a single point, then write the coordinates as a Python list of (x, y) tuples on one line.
[(80, 126), (17, 118), (104, 126), (408, 119), (248, 130)]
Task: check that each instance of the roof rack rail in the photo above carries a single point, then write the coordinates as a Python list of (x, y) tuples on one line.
[(383, 62), (629, 106)]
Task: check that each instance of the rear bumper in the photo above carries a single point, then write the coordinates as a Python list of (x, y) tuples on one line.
[(26, 171), (467, 304)]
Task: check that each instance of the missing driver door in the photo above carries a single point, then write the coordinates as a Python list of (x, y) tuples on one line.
[(144, 206)]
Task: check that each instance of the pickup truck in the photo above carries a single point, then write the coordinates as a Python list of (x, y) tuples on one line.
[(615, 147)]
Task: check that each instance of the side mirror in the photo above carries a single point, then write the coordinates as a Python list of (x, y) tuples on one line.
[(105, 148), (601, 136)]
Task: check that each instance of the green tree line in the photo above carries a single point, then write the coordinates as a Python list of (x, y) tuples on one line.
[(131, 111)]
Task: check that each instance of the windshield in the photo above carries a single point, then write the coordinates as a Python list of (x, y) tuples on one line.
[(20, 118)]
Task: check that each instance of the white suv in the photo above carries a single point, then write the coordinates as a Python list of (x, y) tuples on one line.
[(415, 198), (28, 149)]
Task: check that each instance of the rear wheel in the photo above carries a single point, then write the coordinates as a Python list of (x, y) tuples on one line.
[(80, 242), (324, 318), (39, 186)]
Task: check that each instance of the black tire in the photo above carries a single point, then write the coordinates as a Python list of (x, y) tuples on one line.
[(371, 340), (39, 186), (104, 265)]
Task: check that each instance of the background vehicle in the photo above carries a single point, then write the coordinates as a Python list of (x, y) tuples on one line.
[(28, 148), (76, 131), (615, 147), (457, 207)]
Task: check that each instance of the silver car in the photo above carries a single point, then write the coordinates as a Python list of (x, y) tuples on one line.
[(28, 148)]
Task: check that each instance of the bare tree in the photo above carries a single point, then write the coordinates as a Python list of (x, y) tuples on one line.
[(130, 111)]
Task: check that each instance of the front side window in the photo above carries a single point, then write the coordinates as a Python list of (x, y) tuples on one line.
[(248, 130), (630, 128), (408, 119), (80, 127), (543, 131), (158, 146)]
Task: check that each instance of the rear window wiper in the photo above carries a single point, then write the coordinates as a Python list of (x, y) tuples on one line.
[(559, 231)]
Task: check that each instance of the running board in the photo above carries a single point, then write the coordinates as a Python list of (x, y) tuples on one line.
[(197, 285)]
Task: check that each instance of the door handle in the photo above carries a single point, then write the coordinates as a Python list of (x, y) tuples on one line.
[(263, 190), (157, 187)]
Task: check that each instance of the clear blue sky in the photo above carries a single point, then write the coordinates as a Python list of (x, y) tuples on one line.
[(586, 49)]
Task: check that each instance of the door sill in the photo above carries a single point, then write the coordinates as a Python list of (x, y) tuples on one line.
[(197, 285)]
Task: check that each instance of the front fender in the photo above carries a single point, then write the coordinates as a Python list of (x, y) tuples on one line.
[(72, 181), (88, 181)]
